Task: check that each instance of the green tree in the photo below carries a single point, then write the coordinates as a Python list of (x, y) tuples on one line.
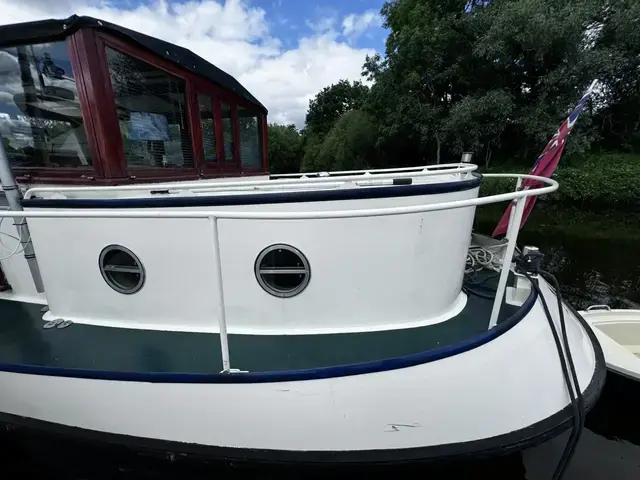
[(481, 75), (285, 149), (331, 103), (427, 69), (351, 144), (616, 39)]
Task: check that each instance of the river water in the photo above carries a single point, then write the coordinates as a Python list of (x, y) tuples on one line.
[(596, 258)]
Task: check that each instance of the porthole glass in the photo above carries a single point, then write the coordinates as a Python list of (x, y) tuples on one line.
[(282, 270), (121, 269)]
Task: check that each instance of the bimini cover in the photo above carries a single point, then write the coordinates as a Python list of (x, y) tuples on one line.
[(59, 29)]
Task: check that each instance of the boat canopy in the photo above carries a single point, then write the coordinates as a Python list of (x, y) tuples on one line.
[(84, 101), (59, 29)]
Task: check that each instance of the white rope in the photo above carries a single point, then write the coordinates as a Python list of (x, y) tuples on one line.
[(479, 257), (17, 250)]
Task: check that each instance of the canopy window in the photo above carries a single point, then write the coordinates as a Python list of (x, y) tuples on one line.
[(152, 113), (41, 125), (250, 137), (207, 125)]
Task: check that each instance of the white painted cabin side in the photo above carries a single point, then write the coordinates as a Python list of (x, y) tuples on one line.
[(365, 273)]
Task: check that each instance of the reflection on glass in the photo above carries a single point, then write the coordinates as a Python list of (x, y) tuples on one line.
[(40, 120), (152, 113), (250, 145), (227, 134), (208, 130)]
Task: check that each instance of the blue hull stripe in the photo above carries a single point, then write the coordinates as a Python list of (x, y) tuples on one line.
[(286, 376), (357, 193)]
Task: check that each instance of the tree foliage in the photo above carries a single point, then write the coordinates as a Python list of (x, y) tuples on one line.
[(350, 144), (493, 77), (482, 76), (285, 148), (331, 103)]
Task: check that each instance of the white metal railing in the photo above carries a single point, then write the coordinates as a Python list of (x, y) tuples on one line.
[(360, 177), (518, 196), (336, 173)]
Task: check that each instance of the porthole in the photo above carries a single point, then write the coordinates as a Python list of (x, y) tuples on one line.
[(121, 269), (282, 270)]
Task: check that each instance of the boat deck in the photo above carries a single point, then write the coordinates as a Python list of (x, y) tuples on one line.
[(24, 341)]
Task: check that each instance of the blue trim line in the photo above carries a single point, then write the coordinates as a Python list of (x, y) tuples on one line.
[(286, 375), (258, 198)]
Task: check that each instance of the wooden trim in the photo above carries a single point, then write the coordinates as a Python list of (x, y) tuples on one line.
[(83, 87), (223, 158), (48, 178), (99, 98), (83, 175), (144, 55), (264, 131), (217, 132), (87, 53), (193, 117), (217, 127), (147, 173), (235, 128)]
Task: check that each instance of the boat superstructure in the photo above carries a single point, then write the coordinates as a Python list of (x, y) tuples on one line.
[(323, 318)]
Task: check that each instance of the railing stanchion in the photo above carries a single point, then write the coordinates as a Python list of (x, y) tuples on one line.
[(518, 184), (222, 318), (512, 235)]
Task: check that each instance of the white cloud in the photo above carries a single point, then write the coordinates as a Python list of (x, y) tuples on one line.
[(354, 25), (323, 24), (234, 36)]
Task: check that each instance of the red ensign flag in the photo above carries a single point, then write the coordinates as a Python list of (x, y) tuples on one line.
[(546, 163)]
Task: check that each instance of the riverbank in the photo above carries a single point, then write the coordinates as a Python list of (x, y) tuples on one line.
[(593, 254), (598, 182), (558, 219)]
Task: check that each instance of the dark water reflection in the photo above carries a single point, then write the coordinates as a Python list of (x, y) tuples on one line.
[(593, 270), (594, 256), (596, 259)]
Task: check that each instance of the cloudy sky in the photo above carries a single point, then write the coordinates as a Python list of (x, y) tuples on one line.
[(283, 51)]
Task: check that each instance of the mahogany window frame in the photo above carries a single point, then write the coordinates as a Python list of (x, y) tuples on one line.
[(194, 85), (83, 175), (88, 58), (104, 40), (219, 96)]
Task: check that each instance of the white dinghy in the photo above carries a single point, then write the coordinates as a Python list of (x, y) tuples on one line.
[(339, 319), (618, 331)]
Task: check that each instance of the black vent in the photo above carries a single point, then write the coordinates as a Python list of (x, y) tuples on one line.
[(152, 113)]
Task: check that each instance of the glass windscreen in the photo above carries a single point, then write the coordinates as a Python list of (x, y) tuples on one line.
[(40, 119), (152, 113)]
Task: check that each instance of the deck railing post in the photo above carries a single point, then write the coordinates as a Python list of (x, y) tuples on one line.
[(222, 317), (14, 196), (518, 184), (512, 235)]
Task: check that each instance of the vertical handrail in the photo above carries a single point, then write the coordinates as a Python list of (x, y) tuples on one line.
[(222, 317), (518, 184), (512, 235), (14, 196)]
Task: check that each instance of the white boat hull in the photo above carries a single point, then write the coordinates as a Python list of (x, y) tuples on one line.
[(618, 332), (503, 395)]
